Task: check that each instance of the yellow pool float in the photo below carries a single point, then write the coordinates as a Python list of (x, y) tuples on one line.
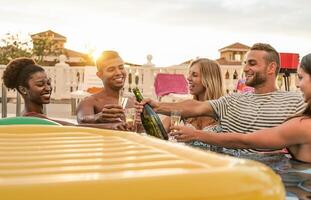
[(41, 162)]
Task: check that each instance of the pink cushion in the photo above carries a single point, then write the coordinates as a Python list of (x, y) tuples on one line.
[(170, 83), (241, 87)]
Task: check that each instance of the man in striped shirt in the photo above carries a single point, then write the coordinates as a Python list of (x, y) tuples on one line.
[(265, 108)]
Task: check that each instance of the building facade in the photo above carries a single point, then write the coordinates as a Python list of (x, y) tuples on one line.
[(49, 45)]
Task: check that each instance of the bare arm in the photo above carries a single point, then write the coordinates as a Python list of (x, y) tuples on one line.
[(288, 134), (188, 108), (86, 113)]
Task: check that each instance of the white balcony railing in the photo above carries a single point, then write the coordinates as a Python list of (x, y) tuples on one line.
[(67, 79)]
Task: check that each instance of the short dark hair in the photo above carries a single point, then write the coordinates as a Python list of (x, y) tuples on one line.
[(272, 54), (18, 72)]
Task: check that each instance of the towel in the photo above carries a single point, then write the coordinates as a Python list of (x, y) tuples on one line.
[(170, 83)]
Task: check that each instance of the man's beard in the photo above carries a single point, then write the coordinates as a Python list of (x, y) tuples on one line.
[(256, 80)]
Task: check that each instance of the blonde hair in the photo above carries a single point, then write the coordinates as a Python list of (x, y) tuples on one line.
[(104, 57), (211, 78)]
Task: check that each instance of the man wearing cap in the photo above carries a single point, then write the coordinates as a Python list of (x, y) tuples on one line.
[(103, 107)]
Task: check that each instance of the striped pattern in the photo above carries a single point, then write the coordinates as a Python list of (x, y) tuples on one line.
[(39, 162), (37, 156), (249, 112)]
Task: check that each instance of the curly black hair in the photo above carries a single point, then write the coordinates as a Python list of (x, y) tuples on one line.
[(19, 71)]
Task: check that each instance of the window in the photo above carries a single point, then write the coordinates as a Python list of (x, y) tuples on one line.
[(227, 75), (237, 57)]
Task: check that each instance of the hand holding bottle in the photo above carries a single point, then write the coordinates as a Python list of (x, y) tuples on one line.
[(140, 105), (150, 120)]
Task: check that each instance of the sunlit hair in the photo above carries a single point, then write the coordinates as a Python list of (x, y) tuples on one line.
[(104, 57), (272, 54), (211, 78)]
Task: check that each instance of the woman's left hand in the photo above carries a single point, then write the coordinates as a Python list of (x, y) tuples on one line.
[(184, 133)]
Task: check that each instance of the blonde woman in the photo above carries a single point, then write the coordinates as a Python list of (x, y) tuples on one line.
[(293, 134), (205, 83)]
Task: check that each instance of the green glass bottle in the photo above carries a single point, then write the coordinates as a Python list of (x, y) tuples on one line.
[(151, 121)]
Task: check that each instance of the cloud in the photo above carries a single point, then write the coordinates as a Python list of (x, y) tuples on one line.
[(235, 15), (291, 17), (169, 29), (276, 16)]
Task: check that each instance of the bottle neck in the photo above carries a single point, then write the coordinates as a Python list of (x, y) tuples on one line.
[(137, 94)]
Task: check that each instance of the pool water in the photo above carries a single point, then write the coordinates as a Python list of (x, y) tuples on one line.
[(295, 175)]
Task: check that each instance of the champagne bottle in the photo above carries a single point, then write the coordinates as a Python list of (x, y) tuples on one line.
[(151, 121)]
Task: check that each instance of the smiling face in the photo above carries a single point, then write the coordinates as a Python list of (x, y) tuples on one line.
[(304, 84), (194, 78), (113, 74), (255, 68), (39, 88)]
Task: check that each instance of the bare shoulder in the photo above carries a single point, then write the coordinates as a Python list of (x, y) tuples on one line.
[(300, 124), (89, 102), (94, 97), (306, 125)]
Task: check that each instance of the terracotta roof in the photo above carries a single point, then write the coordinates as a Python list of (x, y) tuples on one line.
[(187, 62), (56, 35), (223, 61), (72, 53), (132, 64), (235, 46)]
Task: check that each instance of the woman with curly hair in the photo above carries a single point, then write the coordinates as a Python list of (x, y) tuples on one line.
[(31, 81), (294, 134)]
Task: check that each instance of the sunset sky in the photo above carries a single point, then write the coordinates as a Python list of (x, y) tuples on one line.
[(171, 30)]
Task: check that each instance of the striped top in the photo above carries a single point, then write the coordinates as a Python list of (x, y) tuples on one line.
[(248, 112)]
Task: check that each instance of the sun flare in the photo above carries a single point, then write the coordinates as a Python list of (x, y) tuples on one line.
[(95, 54)]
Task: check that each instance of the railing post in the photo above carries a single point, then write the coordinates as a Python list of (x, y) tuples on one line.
[(148, 77), (293, 86), (61, 79), (18, 104), (4, 101)]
